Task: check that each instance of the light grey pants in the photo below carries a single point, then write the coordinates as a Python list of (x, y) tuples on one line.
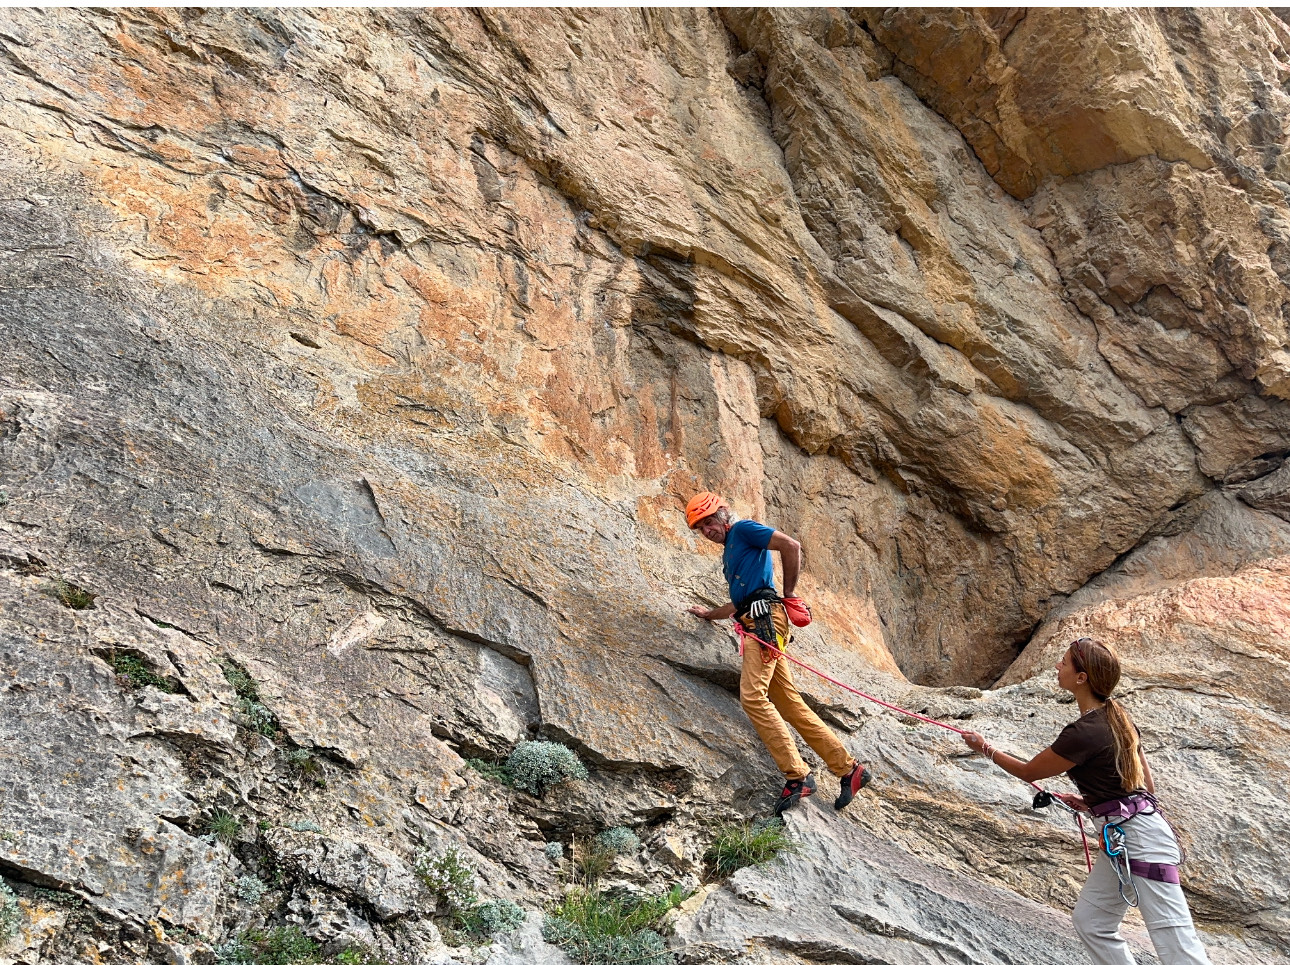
[(1100, 908)]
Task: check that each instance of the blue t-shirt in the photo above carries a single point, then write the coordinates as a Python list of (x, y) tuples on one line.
[(746, 559)]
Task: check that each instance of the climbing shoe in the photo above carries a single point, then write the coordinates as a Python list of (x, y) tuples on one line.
[(793, 792), (852, 782)]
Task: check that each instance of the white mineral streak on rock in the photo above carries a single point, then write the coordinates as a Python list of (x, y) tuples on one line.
[(361, 628)]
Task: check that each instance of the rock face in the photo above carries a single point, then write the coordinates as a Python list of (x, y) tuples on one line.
[(359, 363)]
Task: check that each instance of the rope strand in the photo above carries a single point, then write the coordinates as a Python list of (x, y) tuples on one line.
[(741, 632)]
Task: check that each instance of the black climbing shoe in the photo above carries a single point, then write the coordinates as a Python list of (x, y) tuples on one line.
[(793, 792), (858, 778)]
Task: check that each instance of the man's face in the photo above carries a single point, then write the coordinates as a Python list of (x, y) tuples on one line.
[(713, 528)]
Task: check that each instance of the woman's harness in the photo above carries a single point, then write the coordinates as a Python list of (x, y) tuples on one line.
[(1117, 813)]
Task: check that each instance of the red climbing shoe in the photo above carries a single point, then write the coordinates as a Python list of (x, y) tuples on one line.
[(858, 778), (793, 792)]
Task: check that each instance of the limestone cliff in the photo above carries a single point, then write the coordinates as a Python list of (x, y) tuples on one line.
[(371, 356)]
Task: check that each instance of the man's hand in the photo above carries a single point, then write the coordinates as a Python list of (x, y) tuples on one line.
[(720, 613)]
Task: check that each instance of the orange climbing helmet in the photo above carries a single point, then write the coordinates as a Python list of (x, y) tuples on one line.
[(702, 506)]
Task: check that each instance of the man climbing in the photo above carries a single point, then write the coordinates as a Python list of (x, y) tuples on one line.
[(766, 689)]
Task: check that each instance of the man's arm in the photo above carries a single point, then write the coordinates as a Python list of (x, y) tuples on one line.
[(790, 552), (720, 613)]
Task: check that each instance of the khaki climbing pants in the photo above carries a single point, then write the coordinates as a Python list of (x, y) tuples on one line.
[(770, 699), (1100, 908)]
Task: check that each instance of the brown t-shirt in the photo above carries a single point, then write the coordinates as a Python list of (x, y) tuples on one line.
[(1089, 744)]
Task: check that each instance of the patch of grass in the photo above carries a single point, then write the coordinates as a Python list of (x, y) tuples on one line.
[(491, 770), (536, 766), (254, 715), (358, 955), (599, 929), (224, 826), (277, 946), (54, 897), (70, 595), (591, 862), (746, 843), (306, 764), (134, 673), (243, 683)]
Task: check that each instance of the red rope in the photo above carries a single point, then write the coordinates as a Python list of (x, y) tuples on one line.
[(739, 629), (741, 632)]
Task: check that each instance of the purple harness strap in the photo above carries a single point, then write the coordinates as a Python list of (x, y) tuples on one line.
[(1125, 808), (1154, 872)]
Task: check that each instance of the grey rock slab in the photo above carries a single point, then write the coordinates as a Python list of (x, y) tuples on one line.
[(845, 897), (87, 796), (376, 876)]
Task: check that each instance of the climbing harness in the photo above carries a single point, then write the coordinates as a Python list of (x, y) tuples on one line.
[(1118, 813), (743, 634)]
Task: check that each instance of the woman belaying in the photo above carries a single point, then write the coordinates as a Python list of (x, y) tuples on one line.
[(766, 689), (1102, 753)]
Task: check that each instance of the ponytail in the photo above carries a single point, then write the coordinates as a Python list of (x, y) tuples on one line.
[(1102, 667), (1128, 762)]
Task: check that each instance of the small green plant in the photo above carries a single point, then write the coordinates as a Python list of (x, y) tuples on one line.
[(449, 877), (554, 851), (306, 825), (70, 595), (224, 826), (255, 716), (598, 929), (277, 946), (358, 955), (493, 771), (618, 841), (135, 673), (746, 843), (4, 499), (492, 918), (243, 683), (251, 889), (55, 897), (536, 766), (10, 913), (592, 863), (307, 765)]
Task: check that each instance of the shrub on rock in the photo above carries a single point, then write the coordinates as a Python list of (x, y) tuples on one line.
[(536, 766)]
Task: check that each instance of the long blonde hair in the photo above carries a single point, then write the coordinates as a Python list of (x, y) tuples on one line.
[(1102, 667)]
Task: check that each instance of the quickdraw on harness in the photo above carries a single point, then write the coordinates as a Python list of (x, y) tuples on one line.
[(1114, 843), (771, 652)]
